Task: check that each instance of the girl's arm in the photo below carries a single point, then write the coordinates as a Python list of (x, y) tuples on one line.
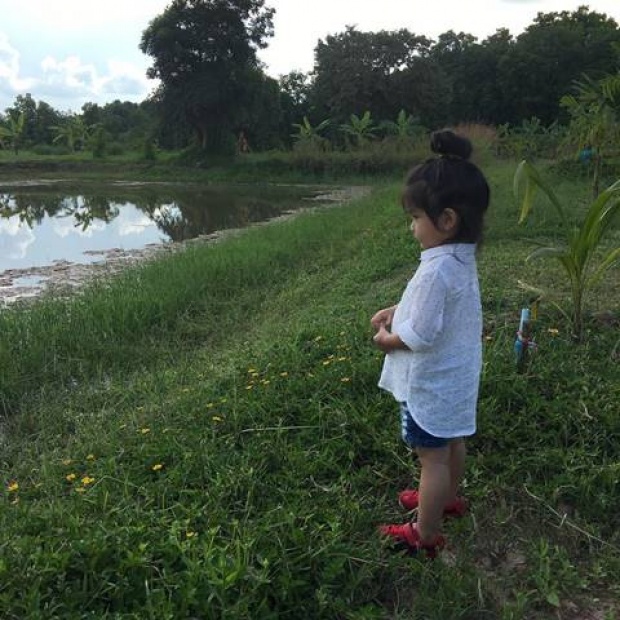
[(426, 313)]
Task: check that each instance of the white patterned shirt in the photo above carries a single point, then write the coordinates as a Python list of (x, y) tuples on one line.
[(439, 318)]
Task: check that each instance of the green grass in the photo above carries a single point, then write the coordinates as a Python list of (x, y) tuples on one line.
[(203, 437), (378, 161)]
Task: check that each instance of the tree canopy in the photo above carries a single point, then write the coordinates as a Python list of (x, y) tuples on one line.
[(457, 78), (358, 71), (204, 54)]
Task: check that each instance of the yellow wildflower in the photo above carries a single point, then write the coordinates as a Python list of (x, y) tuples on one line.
[(70, 477), (284, 374), (145, 431), (157, 466), (67, 461), (217, 418), (90, 457), (86, 480), (553, 331), (13, 486), (190, 534), (345, 379)]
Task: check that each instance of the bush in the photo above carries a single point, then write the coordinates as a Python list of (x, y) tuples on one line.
[(115, 148), (149, 150), (51, 150)]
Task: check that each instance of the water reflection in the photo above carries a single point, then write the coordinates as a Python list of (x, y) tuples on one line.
[(45, 224)]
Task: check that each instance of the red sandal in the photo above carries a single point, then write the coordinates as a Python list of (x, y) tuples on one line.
[(406, 536), (410, 499)]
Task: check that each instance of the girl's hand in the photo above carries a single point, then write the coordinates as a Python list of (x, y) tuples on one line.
[(386, 341), (383, 317)]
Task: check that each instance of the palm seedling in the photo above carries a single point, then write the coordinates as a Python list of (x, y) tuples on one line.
[(581, 255)]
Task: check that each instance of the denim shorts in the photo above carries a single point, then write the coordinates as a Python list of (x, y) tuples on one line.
[(414, 436)]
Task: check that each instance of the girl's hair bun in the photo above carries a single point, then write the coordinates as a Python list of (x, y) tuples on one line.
[(448, 144)]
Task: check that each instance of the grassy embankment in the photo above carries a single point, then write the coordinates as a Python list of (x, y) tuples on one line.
[(374, 162), (203, 437)]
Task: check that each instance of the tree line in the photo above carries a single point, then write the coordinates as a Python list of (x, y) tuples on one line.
[(213, 92)]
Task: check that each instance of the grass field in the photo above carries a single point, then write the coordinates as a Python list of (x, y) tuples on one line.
[(203, 437)]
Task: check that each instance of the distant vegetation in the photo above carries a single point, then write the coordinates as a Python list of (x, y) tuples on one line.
[(367, 88)]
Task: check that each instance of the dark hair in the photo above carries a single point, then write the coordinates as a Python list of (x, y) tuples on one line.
[(450, 181)]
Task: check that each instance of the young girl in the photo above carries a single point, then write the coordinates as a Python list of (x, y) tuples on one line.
[(432, 337)]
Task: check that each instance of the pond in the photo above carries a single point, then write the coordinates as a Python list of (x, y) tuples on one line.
[(58, 233)]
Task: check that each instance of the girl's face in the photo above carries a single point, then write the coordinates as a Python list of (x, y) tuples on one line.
[(427, 234)]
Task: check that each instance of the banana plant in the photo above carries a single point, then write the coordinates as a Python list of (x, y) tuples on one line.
[(404, 130), (14, 130), (580, 255), (73, 131), (360, 128), (307, 133), (405, 125)]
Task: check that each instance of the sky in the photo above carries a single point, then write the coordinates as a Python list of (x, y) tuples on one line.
[(69, 52)]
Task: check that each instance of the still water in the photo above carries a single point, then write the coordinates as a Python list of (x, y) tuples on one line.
[(44, 224)]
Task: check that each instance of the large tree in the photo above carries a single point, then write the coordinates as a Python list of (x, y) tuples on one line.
[(552, 52), (204, 54), (357, 72), (471, 69)]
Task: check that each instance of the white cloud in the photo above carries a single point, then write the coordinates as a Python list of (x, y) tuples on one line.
[(71, 80), (69, 52), (125, 79), (10, 80), (70, 73)]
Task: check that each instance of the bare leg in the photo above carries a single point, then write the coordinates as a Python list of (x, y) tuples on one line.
[(435, 489), (458, 452)]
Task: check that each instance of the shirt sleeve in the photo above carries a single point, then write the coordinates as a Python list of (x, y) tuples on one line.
[(426, 313)]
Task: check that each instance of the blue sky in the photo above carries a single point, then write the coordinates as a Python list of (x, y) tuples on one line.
[(69, 52)]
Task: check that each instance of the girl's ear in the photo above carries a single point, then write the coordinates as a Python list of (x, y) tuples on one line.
[(449, 220)]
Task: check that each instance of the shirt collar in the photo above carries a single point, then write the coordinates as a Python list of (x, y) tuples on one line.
[(462, 250)]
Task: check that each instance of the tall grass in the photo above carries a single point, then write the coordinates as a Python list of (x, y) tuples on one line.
[(204, 438)]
